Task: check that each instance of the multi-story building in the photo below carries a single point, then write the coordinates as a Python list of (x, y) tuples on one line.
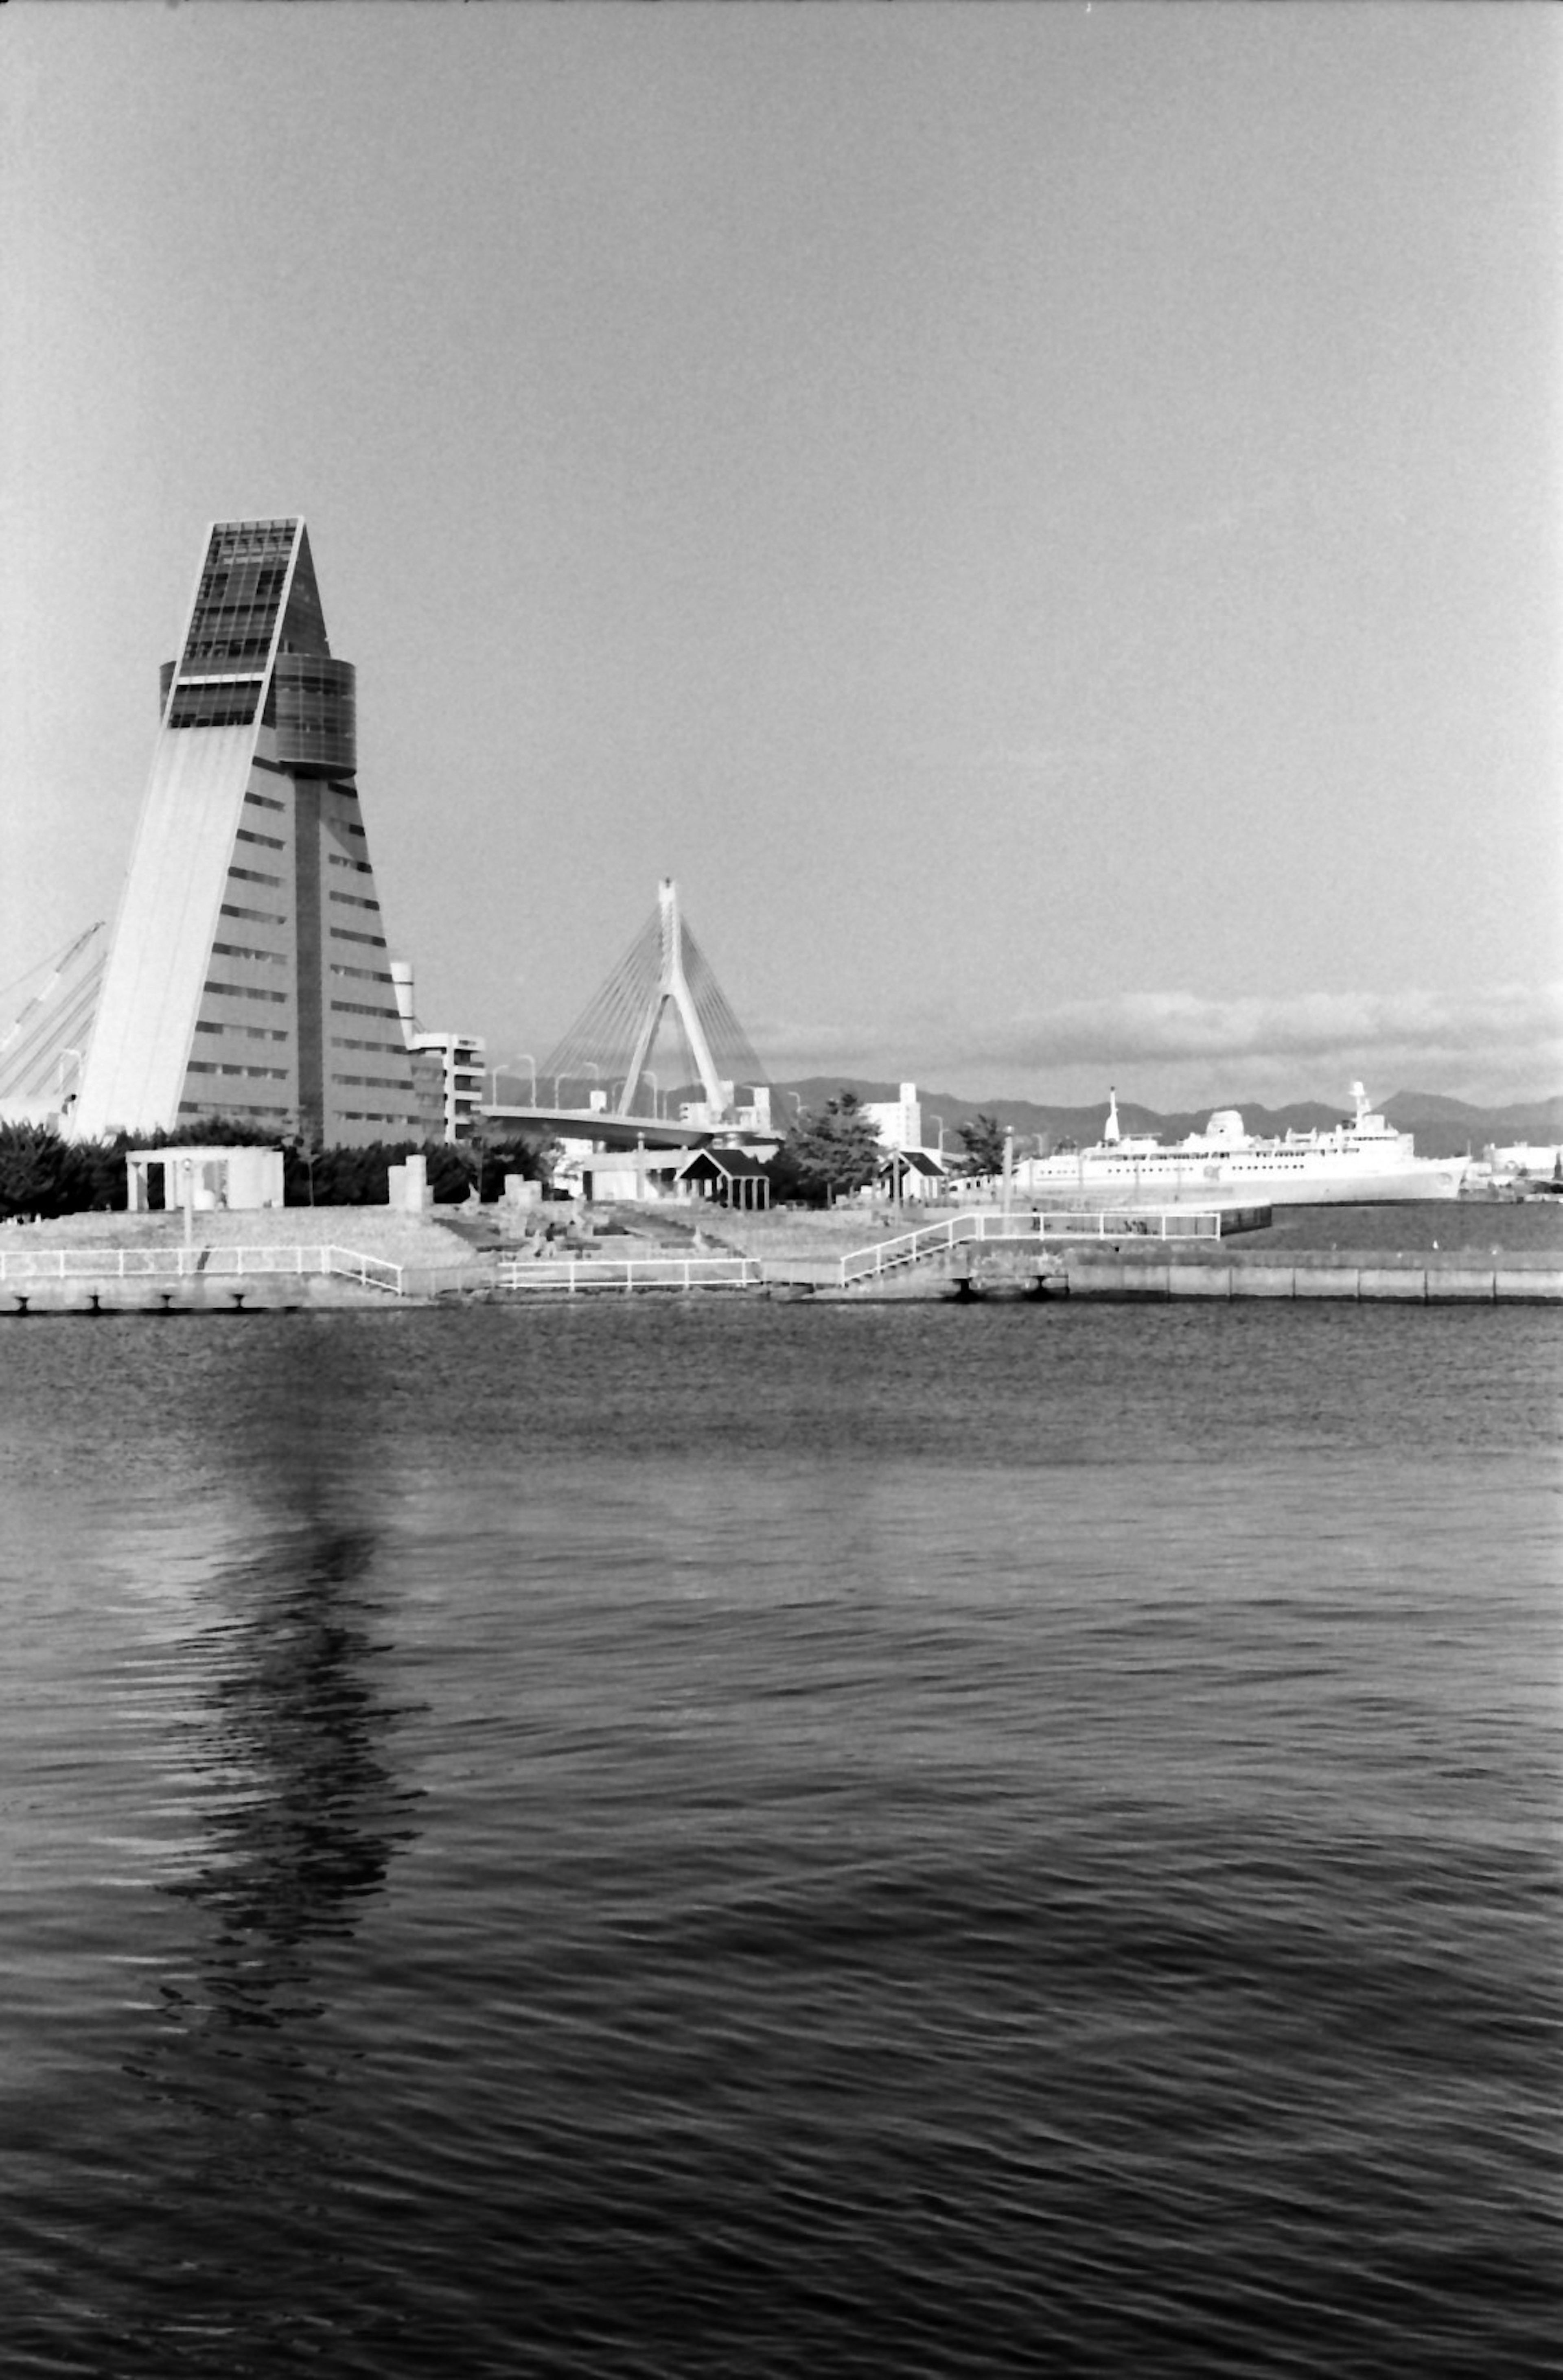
[(899, 1122), (447, 1068), (460, 1058), (248, 975)]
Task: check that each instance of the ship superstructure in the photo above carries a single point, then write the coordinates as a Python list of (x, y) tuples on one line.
[(1362, 1160)]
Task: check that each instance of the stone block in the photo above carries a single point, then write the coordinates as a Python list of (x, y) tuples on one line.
[(1392, 1281), (1450, 1281), (1262, 1281), (1325, 1281), (1509, 1282), (1096, 1279), (1200, 1281)]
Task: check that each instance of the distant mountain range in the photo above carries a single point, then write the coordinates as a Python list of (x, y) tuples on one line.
[(1443, 1127)]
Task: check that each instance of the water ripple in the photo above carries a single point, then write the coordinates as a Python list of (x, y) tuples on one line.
[(784, 1843)]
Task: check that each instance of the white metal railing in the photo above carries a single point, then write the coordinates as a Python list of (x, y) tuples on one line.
[(574, 1273), (988, 1224), (594, 1272), (370, 1272), (1125, 1222), (186, 1264)]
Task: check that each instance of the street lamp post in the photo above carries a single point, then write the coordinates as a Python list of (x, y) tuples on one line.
[(59, 1087), (526, 1059)]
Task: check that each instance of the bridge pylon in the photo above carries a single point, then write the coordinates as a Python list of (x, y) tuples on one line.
[(664, 978)]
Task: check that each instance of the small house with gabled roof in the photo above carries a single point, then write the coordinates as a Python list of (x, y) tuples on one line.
[(725, 1177), (909, 1173)]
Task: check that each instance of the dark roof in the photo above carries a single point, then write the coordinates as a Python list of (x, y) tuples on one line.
[(910, 1160), (734, 1162)]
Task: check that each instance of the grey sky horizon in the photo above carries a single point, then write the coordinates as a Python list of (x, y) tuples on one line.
[(1045, 520)]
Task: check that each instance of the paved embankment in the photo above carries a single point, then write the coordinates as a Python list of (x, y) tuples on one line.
[(1477, 1228), (803, 1248), (1156, 1273), (1432, 1251), (1428, 1251)]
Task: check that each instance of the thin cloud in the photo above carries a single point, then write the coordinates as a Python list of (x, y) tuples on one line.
[(1156, 1026), (1504, 1034)]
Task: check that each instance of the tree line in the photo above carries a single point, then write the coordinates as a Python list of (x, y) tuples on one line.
[(829, 1152), (44, 1174), (836, 1150)]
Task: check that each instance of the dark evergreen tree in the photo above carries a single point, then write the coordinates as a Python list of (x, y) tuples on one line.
[(533, 1157), (40, 1173), (984, 1136), (828, 1153)]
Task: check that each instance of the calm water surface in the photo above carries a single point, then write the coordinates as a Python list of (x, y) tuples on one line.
[(654, 1837)]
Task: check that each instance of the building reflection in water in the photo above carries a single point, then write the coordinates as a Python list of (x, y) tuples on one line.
[(284, 1758), (301, 1812)]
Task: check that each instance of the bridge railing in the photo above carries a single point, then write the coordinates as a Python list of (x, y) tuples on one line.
[(581, 1273)]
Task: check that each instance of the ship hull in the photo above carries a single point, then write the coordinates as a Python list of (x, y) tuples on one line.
[(1213, 1183)]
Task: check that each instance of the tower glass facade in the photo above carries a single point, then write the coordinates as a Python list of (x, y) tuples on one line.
[(248, 978)]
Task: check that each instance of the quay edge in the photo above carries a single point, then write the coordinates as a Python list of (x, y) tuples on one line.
[(1366, 1275)]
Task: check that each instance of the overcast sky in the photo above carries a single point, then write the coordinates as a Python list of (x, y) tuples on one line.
[(1045, 519)]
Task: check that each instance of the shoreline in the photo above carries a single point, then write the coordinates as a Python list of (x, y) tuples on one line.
[(1444, 1252)]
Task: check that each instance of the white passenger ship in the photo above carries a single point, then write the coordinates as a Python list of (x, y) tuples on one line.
[(1365, 1160)]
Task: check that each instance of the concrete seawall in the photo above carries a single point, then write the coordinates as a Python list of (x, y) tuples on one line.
[(225, 1294), (1360, 1278), (1358, 1274), (262, 1292)]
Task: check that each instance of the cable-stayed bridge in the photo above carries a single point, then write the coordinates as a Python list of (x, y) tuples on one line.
[(660, 1019), (42, 1051)]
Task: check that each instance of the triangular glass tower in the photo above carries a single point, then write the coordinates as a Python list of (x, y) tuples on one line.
[(247, 978)]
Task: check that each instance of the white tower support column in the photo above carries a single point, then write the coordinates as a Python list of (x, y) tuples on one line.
[(617, 1034), (672, 985)]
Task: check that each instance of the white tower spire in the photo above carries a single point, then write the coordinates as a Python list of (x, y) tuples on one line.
[(672, 985)]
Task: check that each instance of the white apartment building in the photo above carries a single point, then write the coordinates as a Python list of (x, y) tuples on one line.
[(462, 1057), (898, 1122)]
